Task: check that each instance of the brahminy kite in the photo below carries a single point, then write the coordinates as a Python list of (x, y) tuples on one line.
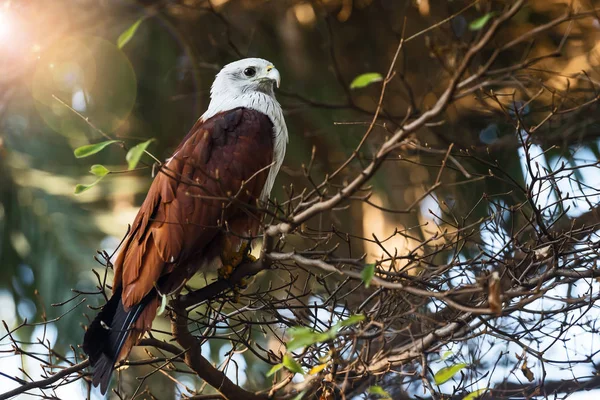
[(203, 200)]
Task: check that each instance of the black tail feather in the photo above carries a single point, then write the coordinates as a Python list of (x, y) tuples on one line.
[(106, 335)]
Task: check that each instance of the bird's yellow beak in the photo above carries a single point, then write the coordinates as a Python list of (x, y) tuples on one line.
[(273, 74)]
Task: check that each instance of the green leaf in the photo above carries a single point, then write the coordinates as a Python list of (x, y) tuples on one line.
[(302, 337), (292, 365), (99, 170), (89, 149), (378, 390), (80, 188), (135, 153), (274, 369), (126, 36), (446, 373), (365, 80), (355, 319), (475, 394), (446, 354), (367, 274), (481, 21)]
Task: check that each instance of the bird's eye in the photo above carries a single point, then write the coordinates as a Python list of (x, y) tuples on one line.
[(249, 72)]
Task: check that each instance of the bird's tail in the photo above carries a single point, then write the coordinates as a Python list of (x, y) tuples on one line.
[(114, 332)]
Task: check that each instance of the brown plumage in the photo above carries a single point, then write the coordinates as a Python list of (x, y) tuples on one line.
[(182, 225)]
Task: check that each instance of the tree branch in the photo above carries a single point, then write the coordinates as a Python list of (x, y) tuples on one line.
[(45, 383), (200, 365)]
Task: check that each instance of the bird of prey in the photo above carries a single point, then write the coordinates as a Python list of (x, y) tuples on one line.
[(201, 207)]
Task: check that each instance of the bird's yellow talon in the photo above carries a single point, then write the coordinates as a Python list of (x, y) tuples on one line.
[(237, 289), (225, 271), (231, 259), (235, 258), (243, 283)]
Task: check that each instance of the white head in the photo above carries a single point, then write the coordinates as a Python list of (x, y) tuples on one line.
[(243, 76)]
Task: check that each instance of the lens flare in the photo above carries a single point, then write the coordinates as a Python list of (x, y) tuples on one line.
[(6, 25), (91, 76)]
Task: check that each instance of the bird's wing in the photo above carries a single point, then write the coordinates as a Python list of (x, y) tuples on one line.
[(187, 204)]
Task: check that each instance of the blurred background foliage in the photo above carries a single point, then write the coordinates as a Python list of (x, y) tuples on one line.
[(158, 84)]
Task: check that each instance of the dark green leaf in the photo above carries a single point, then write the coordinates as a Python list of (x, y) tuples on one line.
[(481, 21), (126, 36), (292, 365), (274, 369), (367, 274), (80, 188), (99, 170), (89, 149), (365, 80), (446, 373), (135, 153)]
